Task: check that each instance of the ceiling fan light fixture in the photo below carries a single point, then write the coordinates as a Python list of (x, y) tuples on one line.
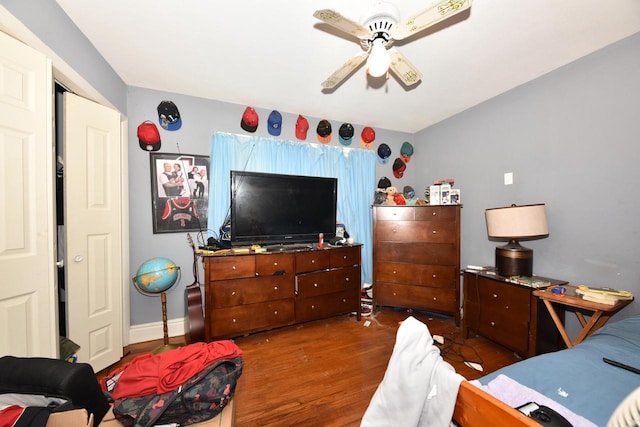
[(379, 59)]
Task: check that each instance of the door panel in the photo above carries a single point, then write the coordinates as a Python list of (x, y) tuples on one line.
[(28, 288), (93, 224)]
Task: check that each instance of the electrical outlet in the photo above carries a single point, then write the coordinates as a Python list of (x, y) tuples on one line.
[(508, 178)]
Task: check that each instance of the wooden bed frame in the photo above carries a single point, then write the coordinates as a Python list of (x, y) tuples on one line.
[(477, 408)]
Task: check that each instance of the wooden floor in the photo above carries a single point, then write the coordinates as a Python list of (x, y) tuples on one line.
[(324, 373)]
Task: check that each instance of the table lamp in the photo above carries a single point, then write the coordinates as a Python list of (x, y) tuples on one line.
[(515, 223)]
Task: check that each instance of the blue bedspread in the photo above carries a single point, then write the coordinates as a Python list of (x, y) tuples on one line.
[(578, 379)]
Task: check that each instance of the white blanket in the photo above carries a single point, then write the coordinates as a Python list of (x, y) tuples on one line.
[(419, 388)]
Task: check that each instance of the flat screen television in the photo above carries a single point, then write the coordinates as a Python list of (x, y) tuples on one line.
[(277, 209)]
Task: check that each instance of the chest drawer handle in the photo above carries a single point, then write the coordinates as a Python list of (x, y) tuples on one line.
[(313, 261), (233, 320), (233, 267), (435, 298), (344, 257), (275, 288), (346, 279), (434, 213), (395, 272), (433, 232), (275, 263), (344, 300), (275, 313), (495, 295), (433, 275), (315, 285), (313, 307), (233, 293), (493, 323)]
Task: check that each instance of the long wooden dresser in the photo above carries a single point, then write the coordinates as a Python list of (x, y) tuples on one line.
[(255, 292), (416, 258)]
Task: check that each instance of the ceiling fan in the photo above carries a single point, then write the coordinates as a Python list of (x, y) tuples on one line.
[(380, 27)]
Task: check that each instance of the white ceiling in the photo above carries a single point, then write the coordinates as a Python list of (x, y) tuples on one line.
[(274, 54)]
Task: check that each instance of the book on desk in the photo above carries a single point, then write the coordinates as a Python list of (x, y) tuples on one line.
[(602, 295), (531, 282)]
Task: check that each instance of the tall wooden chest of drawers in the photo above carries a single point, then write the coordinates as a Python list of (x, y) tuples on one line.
[(416, 257), (255, 292)]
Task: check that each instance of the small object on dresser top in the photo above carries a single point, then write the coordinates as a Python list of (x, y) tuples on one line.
[(559, 290), (532, 282)]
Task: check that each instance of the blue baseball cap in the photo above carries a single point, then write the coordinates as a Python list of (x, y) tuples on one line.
[(384, 153), (275, 123), (169, 116)]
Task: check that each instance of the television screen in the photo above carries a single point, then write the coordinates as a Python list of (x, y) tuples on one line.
[(281, 209)]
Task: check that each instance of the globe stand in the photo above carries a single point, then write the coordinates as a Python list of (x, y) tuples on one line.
[(166, 346)]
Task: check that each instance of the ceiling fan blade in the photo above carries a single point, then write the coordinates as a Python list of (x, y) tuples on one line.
[(338, 21), (435, 13), (405, 70), (343, 72)]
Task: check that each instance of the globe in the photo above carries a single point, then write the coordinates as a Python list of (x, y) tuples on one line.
[(156, 275)]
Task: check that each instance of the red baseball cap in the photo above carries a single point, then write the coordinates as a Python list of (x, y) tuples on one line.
[(249, 120), (148, 136), (367, 137), (302, 126), (399, 167)]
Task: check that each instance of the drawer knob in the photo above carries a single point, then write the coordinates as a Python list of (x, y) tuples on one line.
[(493, 323), (313, 261), (346, 279), (495, 295), (275, 288), (275, 263), (233, 268), (275, 312), (344, 300), (433, 275), (344, 257), (433, 213), (395, 272), (313, 307), (395, 294), (233, 294), (233, 320), (315, 285), (435, 298), (433, 232)]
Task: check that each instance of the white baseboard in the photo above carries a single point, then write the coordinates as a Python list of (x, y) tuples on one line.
[(155, 330)]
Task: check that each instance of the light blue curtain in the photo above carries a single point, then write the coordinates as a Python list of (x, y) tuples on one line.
[(354, 168)]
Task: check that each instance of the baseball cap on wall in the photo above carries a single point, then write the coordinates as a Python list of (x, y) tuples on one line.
[(367, 137), (275, 123), (406, 151), (302, 126), (398, 167), (148, 136), (384, 153), (384, 183), (169, 116), (345, 133), (324, 131), (249, 120)]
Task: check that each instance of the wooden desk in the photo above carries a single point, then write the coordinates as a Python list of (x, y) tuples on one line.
[(600, 312)]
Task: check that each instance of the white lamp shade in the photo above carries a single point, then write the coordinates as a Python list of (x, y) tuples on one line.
[(517, 222)]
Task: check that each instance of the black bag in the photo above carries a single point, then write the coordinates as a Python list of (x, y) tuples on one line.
[(201, 398)]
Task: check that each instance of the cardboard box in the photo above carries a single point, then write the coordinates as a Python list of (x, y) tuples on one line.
[(80, 418)]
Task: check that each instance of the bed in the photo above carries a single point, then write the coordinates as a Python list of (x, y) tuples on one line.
[(575, 382)]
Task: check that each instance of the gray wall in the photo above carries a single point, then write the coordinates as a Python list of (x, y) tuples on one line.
[(571, 139)]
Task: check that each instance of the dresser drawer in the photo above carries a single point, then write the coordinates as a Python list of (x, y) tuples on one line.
[(393, 213), (345, 257), (416, 274), (227, 293), (437, 213), (328, 281), (233, 321), (507, 328), (327, 305), (417, 253), (230, 267), (312, 260), (417, 231), (419, 297), (493, 296), (275, 264)]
